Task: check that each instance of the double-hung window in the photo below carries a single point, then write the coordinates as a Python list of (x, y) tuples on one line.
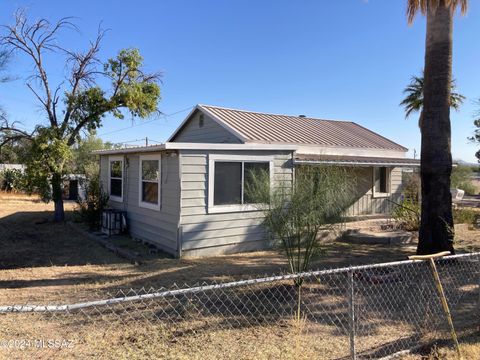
[(229, 175), (149, 181), (381, 181), (115, 184)]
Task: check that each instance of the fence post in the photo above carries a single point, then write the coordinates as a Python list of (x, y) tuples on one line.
[(478, 305), (351, 313)]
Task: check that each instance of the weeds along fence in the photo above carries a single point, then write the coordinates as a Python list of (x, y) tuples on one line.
[(361, 312)]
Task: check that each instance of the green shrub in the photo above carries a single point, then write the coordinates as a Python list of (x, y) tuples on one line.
[(461, 179), (411, 185), (407, 214), (92, 206), (464, 216), (468, 187), (294, 216), (12, 180)]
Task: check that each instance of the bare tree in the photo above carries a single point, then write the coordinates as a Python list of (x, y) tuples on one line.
[(78, 104)]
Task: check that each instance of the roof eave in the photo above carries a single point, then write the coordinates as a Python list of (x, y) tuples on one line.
[(152, 148), (199, 146), (356, 163)]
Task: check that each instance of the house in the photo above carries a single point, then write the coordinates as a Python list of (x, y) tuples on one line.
[(186, 196)]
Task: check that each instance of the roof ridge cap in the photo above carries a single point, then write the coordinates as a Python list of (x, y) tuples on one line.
[(274, 114)]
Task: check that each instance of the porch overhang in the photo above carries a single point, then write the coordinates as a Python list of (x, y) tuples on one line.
[(344, 160)]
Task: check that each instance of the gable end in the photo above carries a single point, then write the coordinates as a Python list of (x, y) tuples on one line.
[(200, 127)]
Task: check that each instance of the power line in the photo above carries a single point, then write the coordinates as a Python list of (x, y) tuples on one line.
[(145, 139), (146, 122), (131, 141)]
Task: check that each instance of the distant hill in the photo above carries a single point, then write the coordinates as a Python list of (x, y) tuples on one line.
[(465, 163)]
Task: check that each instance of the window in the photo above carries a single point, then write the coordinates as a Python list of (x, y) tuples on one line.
[(228, 177), (116, 178), (149, 181), (381, 177), (250, 170), (228, 183)]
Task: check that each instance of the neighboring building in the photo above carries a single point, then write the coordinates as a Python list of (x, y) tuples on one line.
[(74, 187), (20, 167), (186, 196)]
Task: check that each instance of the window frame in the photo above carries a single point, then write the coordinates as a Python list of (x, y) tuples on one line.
[(212, 159), (377, 194), (142, 203), (122, 161)]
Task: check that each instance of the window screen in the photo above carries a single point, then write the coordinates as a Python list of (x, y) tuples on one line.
[(381, 180), (150, 183), (228, 183), (252, 171), (116, 177), (229, 188)]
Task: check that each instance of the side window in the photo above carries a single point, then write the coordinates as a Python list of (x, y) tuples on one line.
[(149, 181), (116, 179), (381, 176)]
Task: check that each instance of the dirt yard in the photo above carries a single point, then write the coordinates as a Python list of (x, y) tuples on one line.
[(43, 262)]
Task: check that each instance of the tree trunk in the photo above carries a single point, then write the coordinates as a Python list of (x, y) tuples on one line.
[(57, 197), (436, 229)]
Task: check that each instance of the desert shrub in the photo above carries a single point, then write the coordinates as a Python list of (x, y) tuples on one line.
[(12, 180), (464, 216), (461, 179), (92, 206), (407, 213), (296, 214), (468, 187), (411, 185)]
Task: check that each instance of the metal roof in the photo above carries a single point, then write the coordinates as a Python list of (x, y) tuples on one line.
[(271, 128), (355, 160)]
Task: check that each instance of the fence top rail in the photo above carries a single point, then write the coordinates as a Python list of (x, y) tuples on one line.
[(205, 288)]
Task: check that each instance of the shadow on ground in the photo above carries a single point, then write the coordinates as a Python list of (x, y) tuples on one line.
[(29, 239)]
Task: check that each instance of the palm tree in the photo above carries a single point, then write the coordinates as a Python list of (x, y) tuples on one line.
[(436, 159), (413, 101)]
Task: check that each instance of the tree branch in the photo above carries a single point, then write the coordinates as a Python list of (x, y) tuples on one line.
[(83, 70), (34, 39), (9, 133)]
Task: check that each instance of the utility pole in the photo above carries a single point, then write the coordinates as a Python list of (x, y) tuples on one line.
[(146, 141)]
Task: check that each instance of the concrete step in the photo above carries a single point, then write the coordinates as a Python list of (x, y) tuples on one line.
[(396, 237)]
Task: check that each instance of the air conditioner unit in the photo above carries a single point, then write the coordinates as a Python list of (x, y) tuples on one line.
[(114, 221)]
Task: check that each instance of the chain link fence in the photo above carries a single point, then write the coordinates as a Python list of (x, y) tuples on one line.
[(362, 312)]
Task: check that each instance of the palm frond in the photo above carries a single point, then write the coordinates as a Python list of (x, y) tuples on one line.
[(456, 99), (413, 101), (421, 6)]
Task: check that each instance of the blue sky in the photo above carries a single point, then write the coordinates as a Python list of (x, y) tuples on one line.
[(347, 60)]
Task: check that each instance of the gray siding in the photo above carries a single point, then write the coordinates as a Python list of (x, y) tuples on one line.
[(158, 227), (210, 132), (212, 234), (367, 204), (184, 204)]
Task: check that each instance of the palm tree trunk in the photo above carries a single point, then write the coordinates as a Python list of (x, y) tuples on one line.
[(57, 197), (436, 229)]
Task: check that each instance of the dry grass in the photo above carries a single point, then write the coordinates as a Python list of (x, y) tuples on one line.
[(42, 258), (469, 348), (43, 262)]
